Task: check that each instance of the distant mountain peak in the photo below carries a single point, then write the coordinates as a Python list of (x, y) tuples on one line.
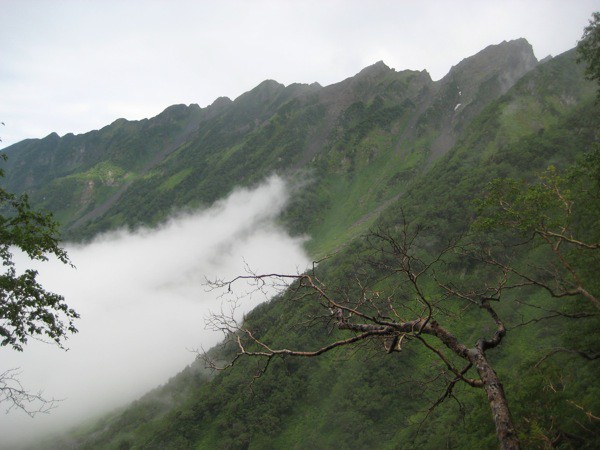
[(374, 70), (270, 84), (514, 52), (52, 136), (507, 61), (221, 102), (265, 91)]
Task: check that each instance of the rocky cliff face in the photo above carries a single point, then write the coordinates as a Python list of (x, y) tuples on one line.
[(497, 66), (192, 155), (470, 86)]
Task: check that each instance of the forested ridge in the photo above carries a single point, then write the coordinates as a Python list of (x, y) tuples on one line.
[(455, 181)]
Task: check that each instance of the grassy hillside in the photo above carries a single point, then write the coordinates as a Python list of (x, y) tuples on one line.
[(360, 142), (372, 172)]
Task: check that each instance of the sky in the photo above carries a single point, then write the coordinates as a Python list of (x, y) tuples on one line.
[(143, 302), (75, 65)]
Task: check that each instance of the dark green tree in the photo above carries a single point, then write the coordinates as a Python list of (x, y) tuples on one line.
[(540, 235), (27, 310), (589, 49), (557, 215), (409, 312)]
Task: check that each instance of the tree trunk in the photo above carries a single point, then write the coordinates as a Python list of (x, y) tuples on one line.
[(505, 429)]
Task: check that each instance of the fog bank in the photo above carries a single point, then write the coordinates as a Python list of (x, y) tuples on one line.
[(142, 304)]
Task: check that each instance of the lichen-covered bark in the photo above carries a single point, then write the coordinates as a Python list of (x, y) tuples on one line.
[(505, 429)]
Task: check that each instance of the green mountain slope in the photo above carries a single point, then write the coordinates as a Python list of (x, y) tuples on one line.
[(360, 141), (378, 146), (367, 398)]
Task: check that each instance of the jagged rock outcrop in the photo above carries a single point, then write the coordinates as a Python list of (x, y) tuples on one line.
[(189, 154), (470, 86)]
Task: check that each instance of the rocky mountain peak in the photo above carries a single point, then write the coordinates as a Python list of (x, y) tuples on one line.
[(508, 61), (374, 70), (473, 83), (220, 104), (264, 91), (261, 96)]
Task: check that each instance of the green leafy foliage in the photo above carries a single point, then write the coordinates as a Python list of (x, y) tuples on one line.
[(525, 208), (589, 48), (559, 214), (27, 310)]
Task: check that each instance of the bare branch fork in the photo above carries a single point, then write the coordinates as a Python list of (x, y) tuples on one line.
[(374, 316), (563, 287), (17, 397), (556, 235)]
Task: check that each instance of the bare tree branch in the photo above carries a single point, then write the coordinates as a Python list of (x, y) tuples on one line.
[(585, 355), (17, 397), (371, 316)]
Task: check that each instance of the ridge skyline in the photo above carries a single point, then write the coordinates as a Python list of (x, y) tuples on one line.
[(223, 100)]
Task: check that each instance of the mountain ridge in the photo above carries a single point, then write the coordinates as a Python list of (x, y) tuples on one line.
[(407, 106), (380, 399), (380, 147)]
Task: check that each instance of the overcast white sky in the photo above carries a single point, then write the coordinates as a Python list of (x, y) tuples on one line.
[(74, 66)]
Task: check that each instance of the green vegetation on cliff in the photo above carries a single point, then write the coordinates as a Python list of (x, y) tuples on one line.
[(373, 150)]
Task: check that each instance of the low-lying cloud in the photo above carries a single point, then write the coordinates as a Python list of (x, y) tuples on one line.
[(143, 302)]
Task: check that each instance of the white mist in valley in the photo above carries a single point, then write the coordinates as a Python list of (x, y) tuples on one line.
[(143, 303)]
